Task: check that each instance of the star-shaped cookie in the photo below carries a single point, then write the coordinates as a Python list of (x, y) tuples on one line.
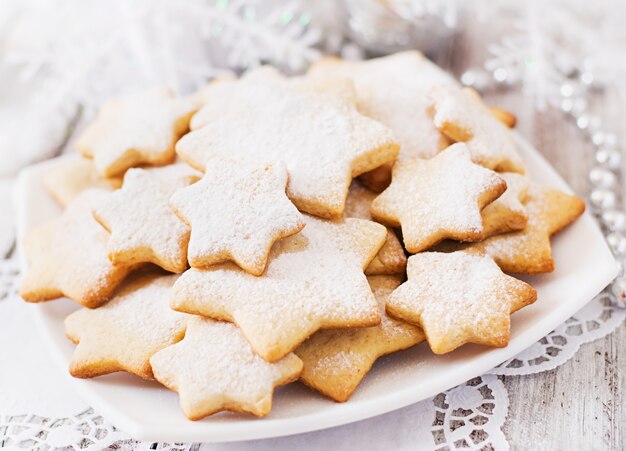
[(322, 139), (227, 96), (462, 116), (70, 177), (68, 257), (314, 280), (438, 198), (394, 90), (123, 334), (236, 212), (457, 298), (507, 213), (139, 129), (391, 258), (528, 251), (143, 225), (336, 361), (214, 368)]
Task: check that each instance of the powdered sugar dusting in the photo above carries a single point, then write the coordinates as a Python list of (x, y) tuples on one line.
[(214, 368), (141, 128), (516, 193), (457, 298), (528, 251), (72, 176), (229, 96), (236, 212), (322, 140), (130, 328), (143, 226), (335, 361), (394, 90), (314, 279), (507, 213), (463, 116), (437, 198), (69, 254)]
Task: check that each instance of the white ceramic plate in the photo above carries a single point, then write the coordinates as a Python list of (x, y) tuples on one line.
[(146, 411)]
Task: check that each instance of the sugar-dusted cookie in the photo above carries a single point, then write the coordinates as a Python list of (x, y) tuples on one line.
[(462, 116), (143, 226), (336, 361), (318, 133), (72, 176), (123, 334), (507, 212), (314, 280), (139, 129), (438, 198), (504, 116), (203, 95), (228, 96), (528, 251), (68, 257), (457, 298), (394, 90), (391, 258), (214, 368), (236, 212)]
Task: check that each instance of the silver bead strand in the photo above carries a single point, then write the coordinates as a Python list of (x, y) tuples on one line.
[(604, 177), (605, 181)]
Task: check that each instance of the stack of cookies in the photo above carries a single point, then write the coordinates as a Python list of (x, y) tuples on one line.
[(272, 229)]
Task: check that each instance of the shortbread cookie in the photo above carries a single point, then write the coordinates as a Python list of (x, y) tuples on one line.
[(504, 116), (528, 251), (123, 334), (74, 175), (438, 198), (134, 130), (336, 361), (322, 139), (314, 280), (203, 95), (143, 226), (214, 368), (68, 257), (391, 258), (507, 212), (229, 96), (236, 212), (394, 90), (462, 116), (457, 298)]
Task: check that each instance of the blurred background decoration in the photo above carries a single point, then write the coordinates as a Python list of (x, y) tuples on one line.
[(60, 59)]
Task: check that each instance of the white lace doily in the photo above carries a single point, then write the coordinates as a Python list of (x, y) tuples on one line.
[(596, 320), (45, 414)]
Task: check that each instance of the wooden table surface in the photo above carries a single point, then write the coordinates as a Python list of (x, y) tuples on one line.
[(581, 404)]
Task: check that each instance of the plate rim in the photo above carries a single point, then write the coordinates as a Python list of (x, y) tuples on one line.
[(273, 428)]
